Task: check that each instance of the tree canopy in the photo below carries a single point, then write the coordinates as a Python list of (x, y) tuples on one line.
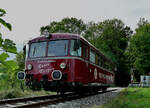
[(7, 67), (66, 25), (6, 45), (139, 50), (112, 41)]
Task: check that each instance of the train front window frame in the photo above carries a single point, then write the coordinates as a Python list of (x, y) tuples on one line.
[(58, 47), (37, 49)]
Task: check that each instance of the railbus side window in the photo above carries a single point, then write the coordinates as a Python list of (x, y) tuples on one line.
[(96, 57), (85, 51), (75, 48), (99, 60), (102, 62), (105, 66), (92, 56)]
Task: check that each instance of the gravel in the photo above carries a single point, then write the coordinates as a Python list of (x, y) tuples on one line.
[(90, 101)]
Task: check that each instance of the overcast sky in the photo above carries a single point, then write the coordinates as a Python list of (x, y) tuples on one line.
[(27, 16)]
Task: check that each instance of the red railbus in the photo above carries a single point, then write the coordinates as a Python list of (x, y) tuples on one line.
[(66, 62)]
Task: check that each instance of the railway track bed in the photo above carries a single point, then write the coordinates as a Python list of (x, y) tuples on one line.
[(40, 101)]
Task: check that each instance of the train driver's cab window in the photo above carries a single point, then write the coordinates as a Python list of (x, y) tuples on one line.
[(75, 47), (58, 48), (37, 49), (92, 56)]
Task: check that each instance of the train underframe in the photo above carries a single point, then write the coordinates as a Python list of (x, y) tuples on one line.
[(62, 87)]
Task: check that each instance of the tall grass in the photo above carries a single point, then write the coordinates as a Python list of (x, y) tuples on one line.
[(10, 89), (131, 98)]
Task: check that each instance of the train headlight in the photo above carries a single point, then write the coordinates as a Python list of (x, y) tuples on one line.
[(56, 75), (29, 66), (62, 65)]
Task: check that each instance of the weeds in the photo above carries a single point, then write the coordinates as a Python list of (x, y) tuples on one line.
[(9, 91)]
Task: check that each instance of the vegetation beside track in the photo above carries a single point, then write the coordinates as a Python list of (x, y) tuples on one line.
[(130, 98), (6, 93)]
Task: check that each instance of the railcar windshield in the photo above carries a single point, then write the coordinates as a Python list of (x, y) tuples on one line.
[(37, 49), (58, 48)]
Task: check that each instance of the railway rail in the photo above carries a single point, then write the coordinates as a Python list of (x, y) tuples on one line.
[(34, 102)]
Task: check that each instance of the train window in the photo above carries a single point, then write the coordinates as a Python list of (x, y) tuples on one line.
[(107, 65), (57, 48), (96, 57), (38, 49), (102, 62), (92, 56), (85, 51), (75, 48), (99, 60)]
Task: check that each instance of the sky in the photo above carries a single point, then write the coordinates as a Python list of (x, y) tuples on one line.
[(27, 16)]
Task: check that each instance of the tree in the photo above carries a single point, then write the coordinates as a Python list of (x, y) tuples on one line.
[(3, 22), (142, 22), (20, 60), (7, 46), (66, 25), (92, 32), (112, 39), (139, 50)]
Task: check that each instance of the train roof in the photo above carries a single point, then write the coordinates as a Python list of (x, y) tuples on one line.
[(68, 36)]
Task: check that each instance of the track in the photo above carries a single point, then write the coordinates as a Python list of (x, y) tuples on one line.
[(34, 102)]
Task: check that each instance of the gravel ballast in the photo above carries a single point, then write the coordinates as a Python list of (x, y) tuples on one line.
[(90, 101)]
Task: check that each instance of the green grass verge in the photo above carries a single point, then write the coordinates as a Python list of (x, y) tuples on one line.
[(17, 93), (14, 91), (131, 98)]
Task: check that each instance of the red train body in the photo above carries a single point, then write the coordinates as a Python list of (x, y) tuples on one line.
[(66, 62)]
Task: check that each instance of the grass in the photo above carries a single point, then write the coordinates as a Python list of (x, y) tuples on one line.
[(17, 93), (131, 98), (7, 91)]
